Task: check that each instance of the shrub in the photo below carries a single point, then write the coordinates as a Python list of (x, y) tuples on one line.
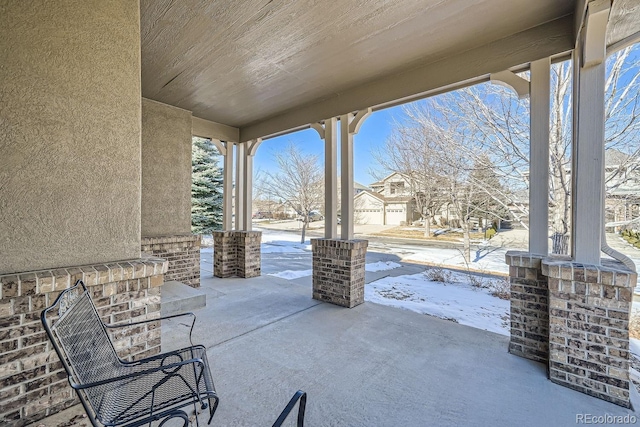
[(500, 288), (438, 274), (490, 233)]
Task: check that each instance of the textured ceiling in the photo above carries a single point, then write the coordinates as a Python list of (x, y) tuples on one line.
[(239, 62)]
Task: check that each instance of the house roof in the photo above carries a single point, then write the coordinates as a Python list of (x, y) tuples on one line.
[(613, 157)]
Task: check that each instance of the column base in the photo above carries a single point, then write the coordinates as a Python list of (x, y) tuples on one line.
[(237, 253), (339, 270), (529, 306), (183, 254), (589, 327)]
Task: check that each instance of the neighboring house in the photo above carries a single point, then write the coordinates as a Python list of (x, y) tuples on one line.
[(389, 202), (622, 174)]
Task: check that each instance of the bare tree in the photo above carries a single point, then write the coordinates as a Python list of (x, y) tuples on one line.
[(411, 151), (491, 120), (298, 183)]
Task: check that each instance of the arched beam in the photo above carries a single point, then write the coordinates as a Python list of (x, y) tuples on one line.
[(220, 146), (318, 127), (595, 33), (358, 119), (253, 146), (512, 81)]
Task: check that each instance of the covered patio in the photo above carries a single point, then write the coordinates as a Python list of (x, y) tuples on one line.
[(100, 101)]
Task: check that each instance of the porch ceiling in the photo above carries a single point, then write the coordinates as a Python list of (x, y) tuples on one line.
[(266, 66)]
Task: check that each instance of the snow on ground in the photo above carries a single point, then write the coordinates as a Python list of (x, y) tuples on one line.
[(282, 242), (381, 266), (457, 301), (485, 257)]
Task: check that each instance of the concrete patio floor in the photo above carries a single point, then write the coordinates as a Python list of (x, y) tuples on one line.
[(368, 366)]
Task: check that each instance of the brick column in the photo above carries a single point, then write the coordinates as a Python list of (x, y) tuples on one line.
[(33, 383), (248, 253), (589, 327), (183, 254), (529, 306), (236, 253), (338, 271), (224, 253)]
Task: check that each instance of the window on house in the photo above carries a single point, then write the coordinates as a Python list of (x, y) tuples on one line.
[(396, 187)]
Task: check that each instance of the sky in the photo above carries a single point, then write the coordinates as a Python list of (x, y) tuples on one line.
[(373, 134)]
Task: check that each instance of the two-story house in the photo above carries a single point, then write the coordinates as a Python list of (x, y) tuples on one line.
[(389, 202)]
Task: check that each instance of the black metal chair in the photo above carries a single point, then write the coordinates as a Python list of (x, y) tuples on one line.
[(115, 392)]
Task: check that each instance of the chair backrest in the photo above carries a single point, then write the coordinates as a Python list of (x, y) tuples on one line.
[(79, 336)]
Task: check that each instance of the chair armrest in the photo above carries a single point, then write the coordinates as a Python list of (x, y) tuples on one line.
[(302, 397), (178, 365), (122, 325)]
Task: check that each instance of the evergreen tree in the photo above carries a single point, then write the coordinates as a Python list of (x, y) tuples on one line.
[(206, 187)]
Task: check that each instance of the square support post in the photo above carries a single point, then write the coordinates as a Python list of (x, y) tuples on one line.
[(338, 271)]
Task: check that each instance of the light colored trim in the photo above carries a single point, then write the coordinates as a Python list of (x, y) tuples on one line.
[(588, 161), (539, 161), (625, 42), (543, 41), (227, 187), (318, 128), (512, 81), (358, 120), (579, 15), (219, 145), (241, 150), (595, 33), (330, 132), (212, 130), (346, 178), (253, 146), (248, 188)]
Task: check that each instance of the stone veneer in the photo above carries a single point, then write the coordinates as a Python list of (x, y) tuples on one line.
[(589, 308), (33, 383), (183, 254), (529, 306), (339, 270), (237, 253)]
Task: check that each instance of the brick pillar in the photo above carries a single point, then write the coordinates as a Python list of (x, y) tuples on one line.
[(183, 254), (224, 253), (338, 271), (248, 253), (529, 306), (589, 327)]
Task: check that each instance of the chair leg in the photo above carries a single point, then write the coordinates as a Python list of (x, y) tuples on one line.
[(212, 407)]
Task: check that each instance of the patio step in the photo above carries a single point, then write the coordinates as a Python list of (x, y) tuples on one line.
[(180, 298)]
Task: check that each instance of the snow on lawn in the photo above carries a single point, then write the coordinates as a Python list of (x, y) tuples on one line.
[(381, 266), (457, 301), (282, 242), (485, 257)]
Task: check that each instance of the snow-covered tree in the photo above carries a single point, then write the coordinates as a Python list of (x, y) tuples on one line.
[(206, 187)]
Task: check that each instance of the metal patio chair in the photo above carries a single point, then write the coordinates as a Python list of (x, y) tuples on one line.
[(115, 392)]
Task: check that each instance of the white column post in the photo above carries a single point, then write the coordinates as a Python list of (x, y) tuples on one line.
[(349, 126), (539, 157), (240, 186), (250, 151), (588, 135), (329, 133), (227, 187), (346, 178)]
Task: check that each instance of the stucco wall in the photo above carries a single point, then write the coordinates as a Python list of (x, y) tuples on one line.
[(69, 133), (166, 170)]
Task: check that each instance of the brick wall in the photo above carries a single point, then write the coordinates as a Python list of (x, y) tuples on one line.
[(589, 308), (529, 300), (339, 271), (183, 254), (237, 253), (33, 383)]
